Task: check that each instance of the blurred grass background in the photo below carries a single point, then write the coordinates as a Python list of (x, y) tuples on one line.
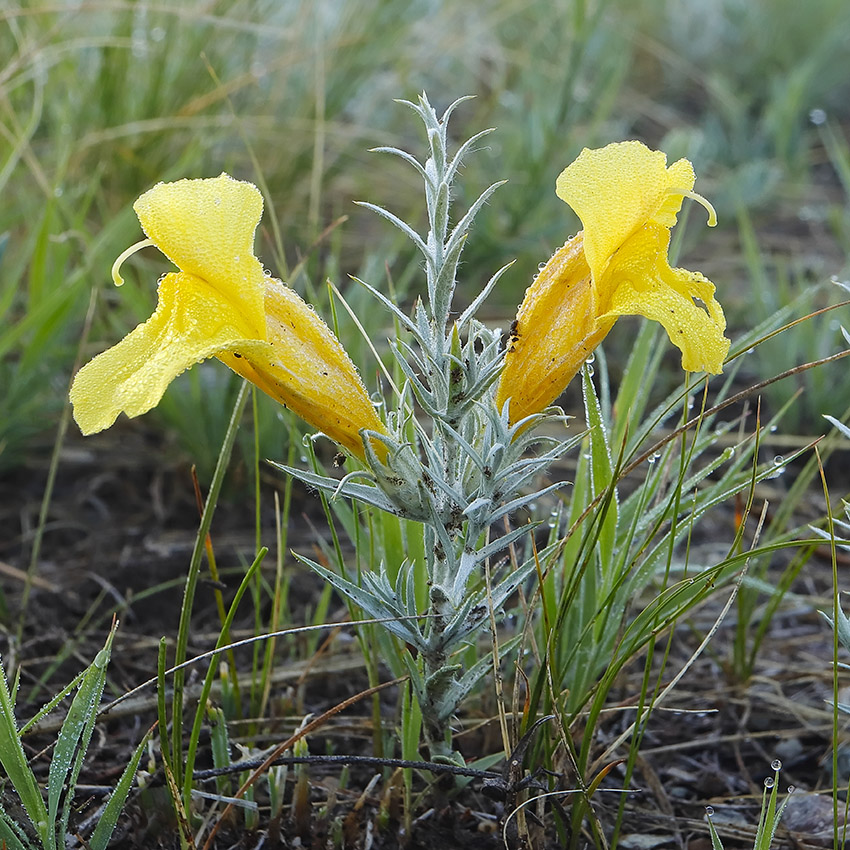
[(101, 99)]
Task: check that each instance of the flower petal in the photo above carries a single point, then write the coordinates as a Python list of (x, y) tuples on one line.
[(192, 321), (641, 282), (556, 330), (206, 228), (306, 368), (616, 190), (681, 177)]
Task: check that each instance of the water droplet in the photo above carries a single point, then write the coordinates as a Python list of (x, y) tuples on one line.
[(58, 192), (817, 117), (709, 810), (778, 461), (792, 789), (773, 429), (590, 371), (769, 782), (158, 33), (541, 266), (751, 351), (776, 764), (591, 359), (236, 259)]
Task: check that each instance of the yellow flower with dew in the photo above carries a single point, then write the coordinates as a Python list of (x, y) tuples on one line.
[(627, 198), (222, 304)]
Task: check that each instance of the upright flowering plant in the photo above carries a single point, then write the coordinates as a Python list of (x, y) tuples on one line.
[(457, 454)]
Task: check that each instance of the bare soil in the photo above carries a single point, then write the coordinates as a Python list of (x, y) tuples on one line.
[(118, 536)]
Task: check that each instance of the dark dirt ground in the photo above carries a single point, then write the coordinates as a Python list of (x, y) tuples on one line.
[(123, 520)]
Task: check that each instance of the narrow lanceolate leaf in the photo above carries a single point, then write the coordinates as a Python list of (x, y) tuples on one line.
[(362, 492), (74, 737), (479, 670), (399, 314), (11, 835), (374, 607), (472, 309), (409, 158), (15, 764), (401, 225), (839, 425), (601, 467), (109, 817)]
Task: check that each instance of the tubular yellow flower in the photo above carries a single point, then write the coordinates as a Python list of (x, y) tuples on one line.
[(222, 304), (627, 199)]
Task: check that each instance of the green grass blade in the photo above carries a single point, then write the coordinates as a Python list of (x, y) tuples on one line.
[(73, 741), (15, 763), (601, 469), (210, 676), (109, 817), (11, 835), (192, 582)]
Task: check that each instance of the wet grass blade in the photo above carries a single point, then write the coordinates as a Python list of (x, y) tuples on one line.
[(109, 817)]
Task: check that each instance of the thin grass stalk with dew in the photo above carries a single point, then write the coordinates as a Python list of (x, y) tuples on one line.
[(191, 583)]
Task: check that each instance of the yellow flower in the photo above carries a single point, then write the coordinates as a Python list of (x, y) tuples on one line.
[(221, 303), (627, 199)]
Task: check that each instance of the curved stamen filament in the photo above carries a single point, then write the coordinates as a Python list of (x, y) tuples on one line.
[(116, 266), (704, 202)]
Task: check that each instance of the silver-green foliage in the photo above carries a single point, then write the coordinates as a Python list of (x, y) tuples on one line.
[(459, 470)]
